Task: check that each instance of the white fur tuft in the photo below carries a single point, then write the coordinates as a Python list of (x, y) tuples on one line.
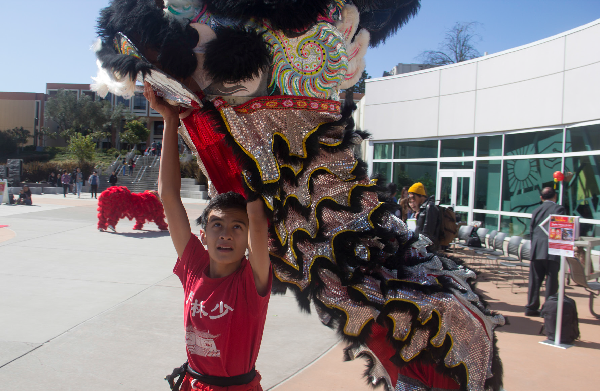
[(96, 46), (104, 82)]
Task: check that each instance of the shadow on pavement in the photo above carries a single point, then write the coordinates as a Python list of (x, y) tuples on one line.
[(141, 234)]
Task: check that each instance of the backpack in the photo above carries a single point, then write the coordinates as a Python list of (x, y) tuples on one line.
[(570, 320), (448, 227), (474, 241)]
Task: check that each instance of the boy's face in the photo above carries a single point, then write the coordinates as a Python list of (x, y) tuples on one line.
[(226, 235)]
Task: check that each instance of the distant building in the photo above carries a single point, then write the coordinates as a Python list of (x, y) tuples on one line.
[(406, 68), (27, 110), (22, 109), (486, 135)]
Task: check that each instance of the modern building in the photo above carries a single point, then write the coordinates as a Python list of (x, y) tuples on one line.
[(406, 68), (486, 135), (22, 109), (27, 110)]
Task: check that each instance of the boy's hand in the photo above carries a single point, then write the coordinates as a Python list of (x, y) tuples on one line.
[(168, 112)]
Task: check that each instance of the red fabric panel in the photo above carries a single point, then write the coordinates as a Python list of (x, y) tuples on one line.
[(217, 157), (425, 373)]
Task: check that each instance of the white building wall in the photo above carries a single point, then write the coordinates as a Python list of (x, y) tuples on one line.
[(550, 82)]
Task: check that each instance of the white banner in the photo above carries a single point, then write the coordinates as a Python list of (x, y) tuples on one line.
[(564, 231)]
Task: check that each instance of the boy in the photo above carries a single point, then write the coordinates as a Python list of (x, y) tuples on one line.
[(226, 294)]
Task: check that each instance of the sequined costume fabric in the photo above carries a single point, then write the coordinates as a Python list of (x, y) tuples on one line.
[(335, 243), (333, 239)]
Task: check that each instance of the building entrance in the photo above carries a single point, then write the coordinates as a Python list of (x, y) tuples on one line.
[(455, 189)]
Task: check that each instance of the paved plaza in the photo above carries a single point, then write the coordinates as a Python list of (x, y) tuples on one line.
[(83, 309)]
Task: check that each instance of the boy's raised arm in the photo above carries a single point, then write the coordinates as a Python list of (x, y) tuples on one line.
[(258, 245), (169, 176)]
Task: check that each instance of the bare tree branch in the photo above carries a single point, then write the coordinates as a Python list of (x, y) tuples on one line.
[(457, 46)]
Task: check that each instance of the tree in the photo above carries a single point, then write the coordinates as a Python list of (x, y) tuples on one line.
[(82, 147), (359, 87), (12, 139), (84, 115), (457, 46), (134, 132), (20, 136), (7, 143)]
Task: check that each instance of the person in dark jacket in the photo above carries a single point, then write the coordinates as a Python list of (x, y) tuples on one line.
[(113, 179), (427, 214), (51, 179), (94, 180), (542, 265)]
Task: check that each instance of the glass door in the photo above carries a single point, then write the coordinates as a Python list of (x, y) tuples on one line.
[(455, 190)]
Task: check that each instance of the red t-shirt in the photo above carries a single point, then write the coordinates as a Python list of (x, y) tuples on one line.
[(223, 317)]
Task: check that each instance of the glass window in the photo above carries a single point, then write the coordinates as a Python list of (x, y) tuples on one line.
[(522, 181), (584, 138), (458, 147), (108, 97), (122, 101), (446, 191), (581, 192), (462, 191), (487, 184), (515, 226), (139, 102), (488, 221), (546, 141), (489, 146), (405, 174), (416, 149), (456, 165), (384, 170), (158, 128), (382, 151)]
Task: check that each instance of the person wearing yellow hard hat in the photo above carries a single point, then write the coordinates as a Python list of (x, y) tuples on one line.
[(427, 214)]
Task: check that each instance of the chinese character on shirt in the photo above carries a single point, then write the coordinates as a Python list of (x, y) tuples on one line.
[(223, 310)]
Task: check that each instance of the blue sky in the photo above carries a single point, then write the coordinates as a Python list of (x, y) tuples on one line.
[(48, 41)]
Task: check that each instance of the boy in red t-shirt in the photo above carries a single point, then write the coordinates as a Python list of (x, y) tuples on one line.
[(226, 294)]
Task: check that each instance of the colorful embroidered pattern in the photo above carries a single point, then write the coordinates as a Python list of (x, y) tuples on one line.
[(286, 102), (124, 46), (312, 65)]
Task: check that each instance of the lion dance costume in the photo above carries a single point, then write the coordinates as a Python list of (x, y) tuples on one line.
[(258, 83), (117, 202)]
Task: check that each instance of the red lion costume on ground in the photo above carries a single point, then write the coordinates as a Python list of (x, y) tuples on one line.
[(117, 202)]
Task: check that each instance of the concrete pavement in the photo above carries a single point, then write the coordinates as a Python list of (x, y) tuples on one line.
[(83, 308)]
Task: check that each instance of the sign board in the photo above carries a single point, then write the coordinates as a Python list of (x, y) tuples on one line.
[(3, 191), (563, 231)]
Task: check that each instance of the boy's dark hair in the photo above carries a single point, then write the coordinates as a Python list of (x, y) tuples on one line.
[(548, 193), (229, 200)]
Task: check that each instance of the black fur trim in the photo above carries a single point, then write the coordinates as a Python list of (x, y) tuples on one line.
[(165, 43), (121, 64), (383, 18), (286, 15), (236, 55)]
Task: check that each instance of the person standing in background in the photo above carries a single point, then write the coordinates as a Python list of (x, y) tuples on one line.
[(94, 180), (66, 181), (427, 214), (113, 179), (407, 212), (542, 265), (78, 181)]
